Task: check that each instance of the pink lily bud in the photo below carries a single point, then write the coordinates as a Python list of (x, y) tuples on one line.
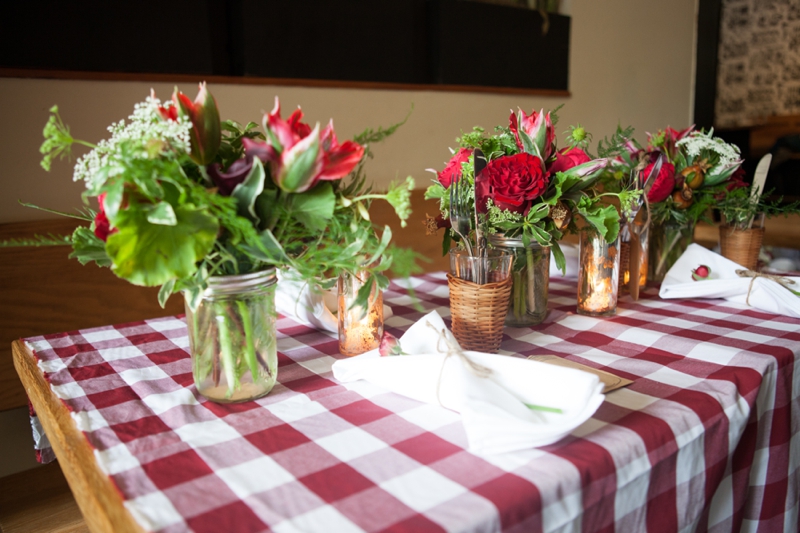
[(206, 134), (300, 156), (701, 272), (535, 129), (389, 345), (102, 226)]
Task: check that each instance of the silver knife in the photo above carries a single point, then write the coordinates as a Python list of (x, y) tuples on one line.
[(760, 177), (758, 181)]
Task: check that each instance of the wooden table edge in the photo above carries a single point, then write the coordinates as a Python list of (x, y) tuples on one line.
[(98, 498)]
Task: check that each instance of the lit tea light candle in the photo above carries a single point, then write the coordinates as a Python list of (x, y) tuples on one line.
[(598, 275), (359, 330)]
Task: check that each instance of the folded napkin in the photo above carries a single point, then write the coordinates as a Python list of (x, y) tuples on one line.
[(493, 408), (295, 298), (765, 294), (571, 256)]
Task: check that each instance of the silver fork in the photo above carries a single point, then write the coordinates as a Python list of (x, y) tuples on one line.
[(459, 214)]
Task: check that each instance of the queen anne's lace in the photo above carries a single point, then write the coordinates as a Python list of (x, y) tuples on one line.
[(147, 134), (697, 142)]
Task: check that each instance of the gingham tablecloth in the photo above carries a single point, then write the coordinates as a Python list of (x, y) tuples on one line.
[(706, 438)]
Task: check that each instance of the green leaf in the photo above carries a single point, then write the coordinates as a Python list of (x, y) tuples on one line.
[(161, 214), (558, 256), (248, 191), (299, 165), (435, 192), (446, 240), (165, 292), (385, 238), (269, 249), (152, 254), (88, 247), (314, 208), (529, 145)]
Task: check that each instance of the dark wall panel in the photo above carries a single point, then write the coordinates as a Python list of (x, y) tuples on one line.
[(168, 36), (358, 40), (498, 46), (451, 42)]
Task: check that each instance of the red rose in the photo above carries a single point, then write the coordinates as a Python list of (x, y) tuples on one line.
[(566, 159), (512, 182), (663, 184), (102, 227), (453, 167)]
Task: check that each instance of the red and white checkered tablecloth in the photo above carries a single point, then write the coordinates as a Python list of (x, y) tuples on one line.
[(706, 438)]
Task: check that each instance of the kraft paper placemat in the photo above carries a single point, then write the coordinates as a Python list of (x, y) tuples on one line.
[(610, 381)]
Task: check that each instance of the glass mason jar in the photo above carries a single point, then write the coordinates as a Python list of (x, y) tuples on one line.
[(598, 274), (232, 337), (667, 243), (360, 330), (624, 257), (530, 274)]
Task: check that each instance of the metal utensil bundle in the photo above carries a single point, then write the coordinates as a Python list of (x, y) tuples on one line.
[(461, 218)]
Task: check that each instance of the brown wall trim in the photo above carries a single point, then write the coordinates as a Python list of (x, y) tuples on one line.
[(236, 80)]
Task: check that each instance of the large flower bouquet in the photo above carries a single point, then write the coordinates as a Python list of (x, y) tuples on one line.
[(530, 189), (188, 202), (183, 196)]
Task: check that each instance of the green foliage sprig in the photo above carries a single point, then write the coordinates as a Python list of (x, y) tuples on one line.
[(739, 209)]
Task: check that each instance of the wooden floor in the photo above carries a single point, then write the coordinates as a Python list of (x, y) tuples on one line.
[(39, 500)]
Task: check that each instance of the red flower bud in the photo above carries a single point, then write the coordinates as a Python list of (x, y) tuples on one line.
[(701, 272), (389, 345)]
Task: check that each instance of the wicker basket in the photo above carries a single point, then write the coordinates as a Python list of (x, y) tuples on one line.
[(741, 246), (478, 313)]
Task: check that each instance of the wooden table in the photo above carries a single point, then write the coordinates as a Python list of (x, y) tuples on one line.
[(701, 438)]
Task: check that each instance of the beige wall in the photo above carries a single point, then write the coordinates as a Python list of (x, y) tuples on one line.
[(631, 62)]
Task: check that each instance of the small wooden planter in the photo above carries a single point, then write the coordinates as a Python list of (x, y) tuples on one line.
[(741, 246)]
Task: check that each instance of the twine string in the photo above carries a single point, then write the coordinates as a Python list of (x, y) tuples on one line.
[(451, 348), (780, 280)]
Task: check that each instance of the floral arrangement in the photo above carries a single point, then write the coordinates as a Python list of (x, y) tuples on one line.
[(183, 196), (529, 188), (700, 170)]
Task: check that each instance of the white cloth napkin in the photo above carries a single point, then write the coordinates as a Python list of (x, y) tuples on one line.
[(494, 413), (766, 295), (295, 299), (571, 255)]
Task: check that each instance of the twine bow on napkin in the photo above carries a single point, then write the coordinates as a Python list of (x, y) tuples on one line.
[(780, 280)]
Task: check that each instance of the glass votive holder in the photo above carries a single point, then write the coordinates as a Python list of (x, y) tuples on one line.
[(625, 254), (598, 274), (360, 329), (493, 268)]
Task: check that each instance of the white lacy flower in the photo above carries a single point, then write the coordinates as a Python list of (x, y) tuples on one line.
[(145, 128), (697, 142)]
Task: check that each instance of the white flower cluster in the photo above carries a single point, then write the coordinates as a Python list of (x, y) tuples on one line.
[(697, 142), (145, 129)]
